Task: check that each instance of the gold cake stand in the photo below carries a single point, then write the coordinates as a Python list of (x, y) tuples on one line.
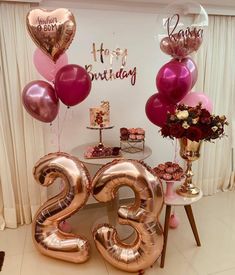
[(100, 145)]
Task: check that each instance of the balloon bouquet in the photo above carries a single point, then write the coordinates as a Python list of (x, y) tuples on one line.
[(182, 25), (53, 32)]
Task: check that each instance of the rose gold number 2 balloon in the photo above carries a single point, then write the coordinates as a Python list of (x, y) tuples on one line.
[(142, 215), (48, 238)]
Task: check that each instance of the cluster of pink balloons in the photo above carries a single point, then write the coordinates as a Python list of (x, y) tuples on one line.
[(72, 84), (174, 81)]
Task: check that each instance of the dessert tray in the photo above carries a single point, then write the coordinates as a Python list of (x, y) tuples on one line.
[(98, 152)]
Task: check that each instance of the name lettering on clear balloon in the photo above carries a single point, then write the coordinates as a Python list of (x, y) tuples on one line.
[(187, 33), (112, 57)]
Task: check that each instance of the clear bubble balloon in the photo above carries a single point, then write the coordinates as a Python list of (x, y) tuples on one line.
[(181, 28)]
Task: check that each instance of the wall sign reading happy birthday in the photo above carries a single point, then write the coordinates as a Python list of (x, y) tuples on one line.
[(114, 57)]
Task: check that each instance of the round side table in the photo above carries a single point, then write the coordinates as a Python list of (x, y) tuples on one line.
[(178, 200)]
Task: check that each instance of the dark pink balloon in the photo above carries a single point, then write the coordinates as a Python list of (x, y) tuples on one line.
[(156, 111), (174, 81), (40, 100), (191, 65), (72, 84)]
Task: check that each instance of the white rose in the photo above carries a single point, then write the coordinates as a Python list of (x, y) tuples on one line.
[(182, 114), (214, 128), (195, 120), (185, 125)]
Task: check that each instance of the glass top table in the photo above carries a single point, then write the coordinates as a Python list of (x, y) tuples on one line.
[(79, 152)]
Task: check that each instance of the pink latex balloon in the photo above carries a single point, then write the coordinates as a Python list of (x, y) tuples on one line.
[(193, 98), (156, 111), (40, 100), (72, 84), (174, 81), (191, 65), (46, 67), (174, 221)]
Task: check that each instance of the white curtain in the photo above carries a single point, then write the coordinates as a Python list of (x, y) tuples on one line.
[(21, 137), (215, 60)]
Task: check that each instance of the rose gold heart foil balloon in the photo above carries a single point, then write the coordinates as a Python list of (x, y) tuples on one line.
[(142, 215), (51, 31), (47, 236)]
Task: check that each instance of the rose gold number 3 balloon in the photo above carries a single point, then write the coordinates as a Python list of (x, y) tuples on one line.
[(48, 238), (142, 215)]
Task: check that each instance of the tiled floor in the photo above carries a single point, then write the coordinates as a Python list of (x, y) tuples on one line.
[(215, 217)]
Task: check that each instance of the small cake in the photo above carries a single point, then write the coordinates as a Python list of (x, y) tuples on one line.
[(169, 171), (132, 134), (100, 116)]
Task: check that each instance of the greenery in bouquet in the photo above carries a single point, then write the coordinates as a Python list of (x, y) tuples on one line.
[(194, 123)]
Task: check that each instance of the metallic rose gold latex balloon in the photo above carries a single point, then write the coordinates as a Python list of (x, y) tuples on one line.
[(40, 100), (47, 236), (142, 215), (52, 31)]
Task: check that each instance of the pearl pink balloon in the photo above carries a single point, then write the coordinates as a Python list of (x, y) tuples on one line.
[(156, 111), (192, 99), (40, 100), (174, 81), (174, 221), (72, 84), (191, 65), (47, 67)]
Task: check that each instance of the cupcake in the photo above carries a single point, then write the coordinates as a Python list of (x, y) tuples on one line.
[(169, 171)]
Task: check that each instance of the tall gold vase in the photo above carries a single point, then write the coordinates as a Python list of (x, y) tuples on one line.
[(189, 151)]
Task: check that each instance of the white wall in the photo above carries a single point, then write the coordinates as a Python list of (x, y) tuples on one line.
[(134, 31)]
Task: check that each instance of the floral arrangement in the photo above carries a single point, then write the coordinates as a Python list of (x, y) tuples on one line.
[(194, 123)]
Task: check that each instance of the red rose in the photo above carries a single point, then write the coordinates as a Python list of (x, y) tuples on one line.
[(165, 131), (205, 117), (193, 133), (206, 131), (176, 130), (205, 113)]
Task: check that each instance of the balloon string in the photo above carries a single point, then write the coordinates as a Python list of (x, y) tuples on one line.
[(58, 132), (61, 127), (176, 151), (173, 210)]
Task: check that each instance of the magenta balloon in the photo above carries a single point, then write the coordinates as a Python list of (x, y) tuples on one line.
[(72, 84), (156, 111), (46, 67), (174, 81), (40, 100), (193, 98), (191, 65)]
